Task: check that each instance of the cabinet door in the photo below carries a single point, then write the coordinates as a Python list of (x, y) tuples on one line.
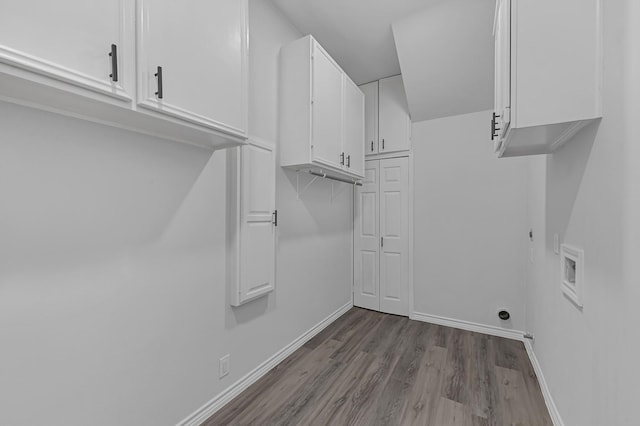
[(394, 236), (370, 91), (70, 41), (394, 124), (256, 263), (502, 84), (201, 47), (366, 291), (326, 145), (353, 140)]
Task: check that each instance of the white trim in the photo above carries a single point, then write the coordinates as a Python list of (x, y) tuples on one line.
[(411, 235), (261, 142), (207, 410), (548, 399), (469, 326), (386, 155)]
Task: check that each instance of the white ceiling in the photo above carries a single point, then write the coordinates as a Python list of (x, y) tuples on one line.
[(356, 33), (446, 55), (445, 47)]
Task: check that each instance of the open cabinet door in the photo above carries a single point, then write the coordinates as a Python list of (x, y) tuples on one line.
[(252, 225)]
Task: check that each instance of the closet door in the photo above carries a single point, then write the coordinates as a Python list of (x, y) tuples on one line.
[(394, 236), (366, 292)]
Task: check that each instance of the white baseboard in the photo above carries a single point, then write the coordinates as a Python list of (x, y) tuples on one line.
[(469, 326), (219, 401), (548, 399)]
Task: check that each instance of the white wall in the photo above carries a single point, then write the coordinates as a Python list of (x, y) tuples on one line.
[(112, 264), (469, 222), (588, 193)]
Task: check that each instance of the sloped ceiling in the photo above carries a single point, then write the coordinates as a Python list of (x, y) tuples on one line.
[(356, 33), (446, 56), (443, 48)]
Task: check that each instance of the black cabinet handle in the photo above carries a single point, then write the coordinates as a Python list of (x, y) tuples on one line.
[(349, 161), (342, 158), (493, 126), (275, 218), (383, 144), (371, 146), (494, 129), (158, 74), (114, 62)]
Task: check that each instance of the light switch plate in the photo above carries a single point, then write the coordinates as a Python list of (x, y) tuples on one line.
[(556, 244)]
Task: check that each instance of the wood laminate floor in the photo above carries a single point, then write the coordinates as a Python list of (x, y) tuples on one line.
[(369, 368)]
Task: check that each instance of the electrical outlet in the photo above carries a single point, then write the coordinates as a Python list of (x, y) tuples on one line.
[(224, 366)]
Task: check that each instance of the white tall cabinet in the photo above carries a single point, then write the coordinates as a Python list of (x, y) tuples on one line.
[(321, 112), (381, 237), (251, 221), (387, 119)]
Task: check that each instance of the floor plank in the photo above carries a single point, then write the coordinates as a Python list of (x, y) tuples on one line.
[(425, 393), (370, 368)]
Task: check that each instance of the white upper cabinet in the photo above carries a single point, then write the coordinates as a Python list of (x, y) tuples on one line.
[(326, 110), (353, 128), (321, 112), (370, 91), (394, 120), (79, 58), (387, 119), (71, 41), (199, 46), (548, 73)]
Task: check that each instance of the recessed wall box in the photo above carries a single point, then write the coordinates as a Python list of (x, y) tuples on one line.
[(572, 273)]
